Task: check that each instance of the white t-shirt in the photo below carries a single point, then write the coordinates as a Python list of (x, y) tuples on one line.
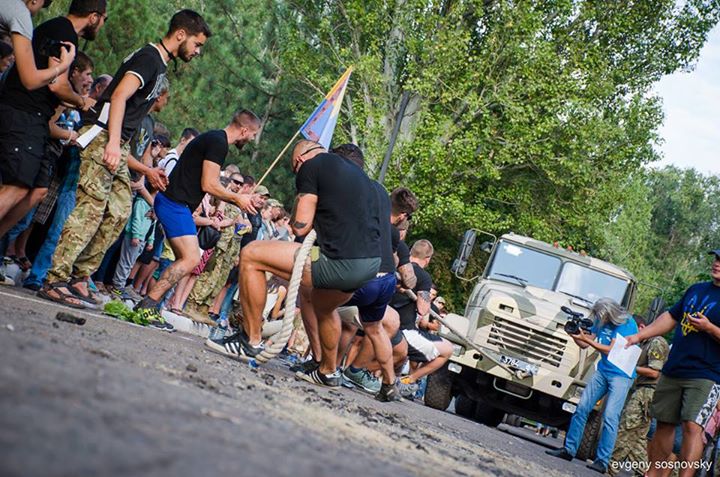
[(15, 18), (168, 162)]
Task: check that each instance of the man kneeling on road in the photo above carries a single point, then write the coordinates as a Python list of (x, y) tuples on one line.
[(336, 198)]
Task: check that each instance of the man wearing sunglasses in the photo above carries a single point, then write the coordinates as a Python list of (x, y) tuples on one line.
[(337, 199)]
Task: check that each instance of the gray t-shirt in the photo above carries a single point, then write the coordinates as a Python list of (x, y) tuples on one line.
[(15, 18)]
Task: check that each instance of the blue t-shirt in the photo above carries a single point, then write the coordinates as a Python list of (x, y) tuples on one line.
[(695, 354), (604, 335)]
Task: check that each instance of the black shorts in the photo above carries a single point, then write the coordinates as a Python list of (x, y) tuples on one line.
[(22, 148), (146, 257), (397, 339)]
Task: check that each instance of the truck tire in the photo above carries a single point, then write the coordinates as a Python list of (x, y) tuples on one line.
[(588, 445), (488, 415), (438, 391), (465, 407)]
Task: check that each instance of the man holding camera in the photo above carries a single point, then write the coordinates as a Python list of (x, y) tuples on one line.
[(608, 381), (25, 170), (689, 387)]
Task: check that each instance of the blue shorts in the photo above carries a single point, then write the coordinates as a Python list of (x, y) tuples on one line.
[(374, 297), (176, 218)]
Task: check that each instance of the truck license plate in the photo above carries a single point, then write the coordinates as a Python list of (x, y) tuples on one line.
[(519, 364)]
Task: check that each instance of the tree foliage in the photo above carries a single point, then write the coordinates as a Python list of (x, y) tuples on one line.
[(536, 117)]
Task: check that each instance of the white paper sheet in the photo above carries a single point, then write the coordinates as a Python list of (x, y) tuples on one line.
[(92, 133), (625, 359)]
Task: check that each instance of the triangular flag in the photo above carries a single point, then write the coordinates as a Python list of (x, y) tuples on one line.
[(320, 126)]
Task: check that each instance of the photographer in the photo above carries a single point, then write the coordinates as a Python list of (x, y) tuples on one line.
[(610, 320)]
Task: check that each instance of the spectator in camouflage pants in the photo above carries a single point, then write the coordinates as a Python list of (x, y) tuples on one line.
[(631, 443)]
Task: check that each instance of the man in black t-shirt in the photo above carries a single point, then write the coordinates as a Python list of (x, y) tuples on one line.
[(104, 198), (25, 171), (334, 197), (197, 173), (428, 349)]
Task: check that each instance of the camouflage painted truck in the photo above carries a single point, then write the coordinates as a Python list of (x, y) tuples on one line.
[(514, 355)]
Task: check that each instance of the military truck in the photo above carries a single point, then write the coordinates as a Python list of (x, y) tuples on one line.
[(513, 354)]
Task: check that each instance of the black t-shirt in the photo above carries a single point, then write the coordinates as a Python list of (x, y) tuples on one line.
[(149, 67), (185, 179), (41, 100), (405, 307), (403, 252), (347, 224), (388, 241)]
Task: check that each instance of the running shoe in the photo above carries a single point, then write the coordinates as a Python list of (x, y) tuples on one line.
[(363, 379), (305, 366), (316, 377), (130, 294), (407, 389), (154, 318), (388, 393), (235, 346)]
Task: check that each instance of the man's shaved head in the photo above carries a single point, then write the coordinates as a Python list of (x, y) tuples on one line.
[(304, 151)]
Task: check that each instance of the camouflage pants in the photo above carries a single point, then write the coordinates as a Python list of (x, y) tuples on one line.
[(212, 280), (631, 444), (102, 208)]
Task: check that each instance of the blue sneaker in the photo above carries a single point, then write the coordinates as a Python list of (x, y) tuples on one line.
[(363, 379)]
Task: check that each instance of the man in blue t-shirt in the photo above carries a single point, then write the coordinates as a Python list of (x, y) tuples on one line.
[(689, 388), (608, 381)]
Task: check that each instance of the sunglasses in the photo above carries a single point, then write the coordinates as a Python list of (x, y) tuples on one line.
[(237, 182), (297, 166)]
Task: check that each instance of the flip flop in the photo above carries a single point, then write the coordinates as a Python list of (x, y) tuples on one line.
[(62, 298)]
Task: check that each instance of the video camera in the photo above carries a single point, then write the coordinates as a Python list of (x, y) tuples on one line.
[(576, 322)]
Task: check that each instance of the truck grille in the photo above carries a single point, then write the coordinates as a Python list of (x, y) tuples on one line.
[(524, 341)]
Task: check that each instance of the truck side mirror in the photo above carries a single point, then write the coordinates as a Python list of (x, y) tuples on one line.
[(656, 307), (461, 261)]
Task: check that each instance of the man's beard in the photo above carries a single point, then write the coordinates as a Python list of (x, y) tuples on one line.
[(184, 53), (90, 32), (239, 145)]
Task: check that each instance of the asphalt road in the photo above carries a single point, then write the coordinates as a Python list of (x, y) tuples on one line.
[(114, 399)]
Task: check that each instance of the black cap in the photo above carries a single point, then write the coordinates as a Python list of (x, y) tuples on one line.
[(715, 252)]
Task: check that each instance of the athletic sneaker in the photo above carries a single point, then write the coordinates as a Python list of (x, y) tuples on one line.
[(363, 379), (305, 366), (153, 317), (406, 388), (235, 346), (388, 393), (316, 377), (130, 294)]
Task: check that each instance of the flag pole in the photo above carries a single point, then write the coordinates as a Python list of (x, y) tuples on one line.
[(276, 160)]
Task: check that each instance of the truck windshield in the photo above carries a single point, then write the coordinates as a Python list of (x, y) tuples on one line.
[(590, 285), (516, 264)]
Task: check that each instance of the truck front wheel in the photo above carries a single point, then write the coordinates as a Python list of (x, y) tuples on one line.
[(590, 437), (439, 388), (488, 415)]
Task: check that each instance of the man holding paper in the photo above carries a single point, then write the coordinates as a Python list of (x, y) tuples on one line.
[(689, 387), (609, 381)]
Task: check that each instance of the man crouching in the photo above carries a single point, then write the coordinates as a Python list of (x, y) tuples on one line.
[(336, 198)]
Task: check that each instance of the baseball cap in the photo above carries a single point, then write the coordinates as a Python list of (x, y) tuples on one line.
[(440, 300), (715, 252), (274, 203), (262, 190)]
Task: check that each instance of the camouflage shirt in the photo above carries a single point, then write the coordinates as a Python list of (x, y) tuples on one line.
[(654, 354)]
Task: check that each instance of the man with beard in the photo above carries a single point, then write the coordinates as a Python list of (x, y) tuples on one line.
[(197, 173), (104, 197), (25, 169)]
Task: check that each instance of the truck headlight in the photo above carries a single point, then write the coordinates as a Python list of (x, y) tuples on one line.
[(569, 407), (578, 392)]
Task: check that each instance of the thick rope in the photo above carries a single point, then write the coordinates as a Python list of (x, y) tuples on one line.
[(281, 338)]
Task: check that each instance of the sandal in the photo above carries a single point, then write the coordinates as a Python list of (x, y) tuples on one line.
[(23, 262), (62, 297), (89, 298)]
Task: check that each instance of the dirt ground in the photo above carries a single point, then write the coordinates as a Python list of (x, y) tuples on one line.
[(111, 398)]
